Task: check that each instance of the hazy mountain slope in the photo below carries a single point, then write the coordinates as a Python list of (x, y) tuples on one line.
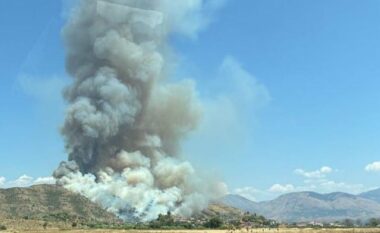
[(372, 195), (219, 209), (50, 202), (309, 206), (241, 203)]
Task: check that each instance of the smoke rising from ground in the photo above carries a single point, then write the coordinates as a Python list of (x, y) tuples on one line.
[(125, 122)]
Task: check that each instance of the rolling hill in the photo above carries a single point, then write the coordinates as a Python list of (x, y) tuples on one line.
[(54, 203), (50, 202)]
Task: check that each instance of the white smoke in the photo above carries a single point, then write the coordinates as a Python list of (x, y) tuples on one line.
[(125, 122)]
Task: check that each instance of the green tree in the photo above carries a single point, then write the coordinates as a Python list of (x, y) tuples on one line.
[(45, 225), (214, 223), (163, 221), (359, 222), (373, 222), (348, 222)]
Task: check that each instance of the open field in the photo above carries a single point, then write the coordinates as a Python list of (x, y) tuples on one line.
[(33, 226), (204, 231), (37, 229)]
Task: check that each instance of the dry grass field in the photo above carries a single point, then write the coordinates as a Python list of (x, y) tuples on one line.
[(203, 231), (32, 226), (29, 226)]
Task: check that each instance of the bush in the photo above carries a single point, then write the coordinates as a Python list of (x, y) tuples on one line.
[(163, 221), (3, 228), (214, 222), (373, 222)]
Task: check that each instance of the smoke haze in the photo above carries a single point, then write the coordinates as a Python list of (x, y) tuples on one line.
[(125, 121)]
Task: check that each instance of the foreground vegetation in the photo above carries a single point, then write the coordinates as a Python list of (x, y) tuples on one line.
[(239, 223), (32, 226), (257, 230)]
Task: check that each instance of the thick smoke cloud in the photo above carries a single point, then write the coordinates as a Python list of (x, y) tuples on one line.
[(125, 122)]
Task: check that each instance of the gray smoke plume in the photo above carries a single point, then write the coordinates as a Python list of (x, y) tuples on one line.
[(125, 122)]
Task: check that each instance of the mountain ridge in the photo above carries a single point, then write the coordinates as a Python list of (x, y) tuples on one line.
[(372, 195), (312, 206)]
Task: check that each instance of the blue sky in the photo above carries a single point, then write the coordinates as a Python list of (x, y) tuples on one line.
[(290, 92)]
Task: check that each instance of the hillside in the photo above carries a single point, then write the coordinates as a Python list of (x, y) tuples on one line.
[(50, 203), (373, 195), (219, 209), (306, 206), (309, 206), (241, 203), (54, 203)]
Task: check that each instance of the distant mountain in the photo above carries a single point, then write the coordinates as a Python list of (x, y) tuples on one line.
[(241, 203), (310, 206), (50, 202), (373, 195), (307, 206)]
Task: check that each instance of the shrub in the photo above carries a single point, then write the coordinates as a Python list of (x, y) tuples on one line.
[(214, 222), (3, 228)]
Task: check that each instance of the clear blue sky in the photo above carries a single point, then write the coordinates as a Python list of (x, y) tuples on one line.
[(315, 65)]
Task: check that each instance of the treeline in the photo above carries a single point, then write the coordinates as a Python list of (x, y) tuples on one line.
[(170, 222), (372, 222), (346, 223), (248, 220)]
